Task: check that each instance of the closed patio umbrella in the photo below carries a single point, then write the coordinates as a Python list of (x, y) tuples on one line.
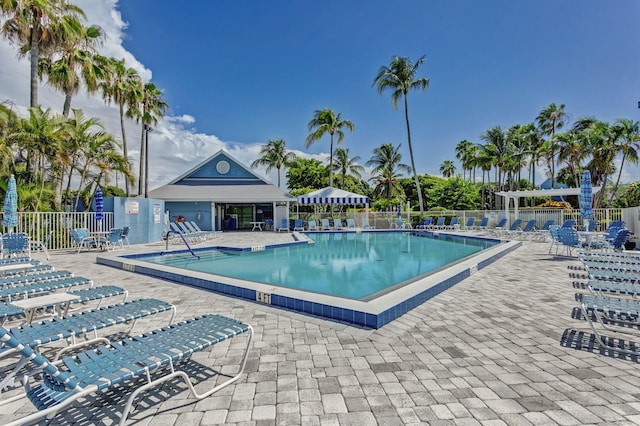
[(586, 198), (10, 217), (99, 208)]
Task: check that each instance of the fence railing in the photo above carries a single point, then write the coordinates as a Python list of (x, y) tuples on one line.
[(40, 224)]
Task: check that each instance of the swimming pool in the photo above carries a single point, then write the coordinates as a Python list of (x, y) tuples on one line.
[(372, 311), (351, 265)]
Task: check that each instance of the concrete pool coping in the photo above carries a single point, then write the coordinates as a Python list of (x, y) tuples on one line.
[(371, 314)]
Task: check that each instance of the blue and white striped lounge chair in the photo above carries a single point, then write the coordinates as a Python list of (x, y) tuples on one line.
[(19, 259), (144, 356), (284, 225), (10, 293), (112, 240), (325, 224), (528, 230), (500, 226), (311, 225), (608, 311), (569, 239), (297, 225), (555, 239), (569, 223), (515, 226), (15, 244), (15, 280), (84, 325)]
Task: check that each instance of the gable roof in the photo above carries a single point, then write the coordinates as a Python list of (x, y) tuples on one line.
[(221, 179)]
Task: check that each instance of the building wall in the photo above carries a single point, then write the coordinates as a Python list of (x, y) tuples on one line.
[(197, 211)]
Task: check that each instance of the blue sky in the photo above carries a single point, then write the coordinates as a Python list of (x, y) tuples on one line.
[(237, 73)]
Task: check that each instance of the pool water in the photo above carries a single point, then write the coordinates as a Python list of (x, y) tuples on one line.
[(349, 265)]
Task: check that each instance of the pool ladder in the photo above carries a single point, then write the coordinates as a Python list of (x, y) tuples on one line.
[(166, 237)]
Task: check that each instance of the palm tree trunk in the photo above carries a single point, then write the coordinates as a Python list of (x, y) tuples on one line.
[(141, 166), (67, 104), (413, 163), (146, 163), (35, 53), (331, 160), (124, 146), (615, 188)]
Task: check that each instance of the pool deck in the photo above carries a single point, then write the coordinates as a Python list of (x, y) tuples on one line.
[(492, 350)]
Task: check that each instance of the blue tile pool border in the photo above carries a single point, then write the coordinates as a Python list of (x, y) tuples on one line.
[(361, 317)]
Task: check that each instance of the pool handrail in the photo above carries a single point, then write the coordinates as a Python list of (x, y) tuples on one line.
[(166, 237)]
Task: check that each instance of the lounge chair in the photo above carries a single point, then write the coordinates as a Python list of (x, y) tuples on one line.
[(16, 280), (484, 222), (83, 325), (351, 224), (35, 245), (337, 224), (440, 223), (469, 225), (528, 230), (10, 293), (500, 226), (268, 224), (16, 244), (97, 370), (401, 224), (81, 238), (569, 223), (325, 224), (365, 223), (297, 225), (515, 226), (569, 239), (453, 224), (425, 224), (284, 225), (311, 225), (609, 311), (543, 232), (555, 239)]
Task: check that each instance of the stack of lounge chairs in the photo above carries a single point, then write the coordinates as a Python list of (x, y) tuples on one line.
[(611, 304), (53, 381)]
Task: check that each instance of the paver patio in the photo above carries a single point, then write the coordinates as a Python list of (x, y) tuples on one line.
[(501, 347)]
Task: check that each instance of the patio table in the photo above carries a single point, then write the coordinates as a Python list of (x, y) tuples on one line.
[(60, 301)]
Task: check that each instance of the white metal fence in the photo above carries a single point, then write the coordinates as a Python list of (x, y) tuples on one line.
[(39, 225)]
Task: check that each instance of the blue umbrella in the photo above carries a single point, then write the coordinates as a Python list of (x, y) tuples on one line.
[(99, 206), (10, 217), (586, 197)]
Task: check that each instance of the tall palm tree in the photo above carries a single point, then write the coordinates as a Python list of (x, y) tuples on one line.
[(123, 86), (463, 150), (447, 168), (327, 121), (628, 140), (32, 25), (74, 60), (550, 119), (399, 77), (274, 155), (386, 163), (151, 108), (346, 165), (499, 147)]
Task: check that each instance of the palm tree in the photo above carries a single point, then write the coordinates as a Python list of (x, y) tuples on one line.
[(32, 25), (386, 162), (628, 132), (274, 155), (447, 168), (463, 151), (327, 121), (151, 108), (399, 77), (123, 86), (76, 60), (550, 119), (499, 147), (346, 165)]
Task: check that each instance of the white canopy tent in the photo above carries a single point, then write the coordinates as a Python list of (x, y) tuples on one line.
[(331, 195), (516, 195)]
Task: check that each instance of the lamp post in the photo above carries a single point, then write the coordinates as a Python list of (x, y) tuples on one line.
[(147, 129)]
